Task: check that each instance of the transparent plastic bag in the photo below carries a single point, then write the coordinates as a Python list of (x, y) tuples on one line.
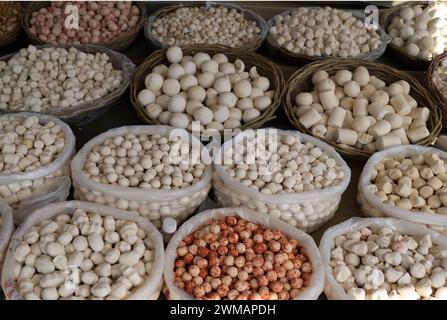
[(81, 114), (332, 289), (312, 292), (6, 229), (306, 210), (372, 206), (48, 183), (153, 204), (273, 46), (262, 24), (151, 287)]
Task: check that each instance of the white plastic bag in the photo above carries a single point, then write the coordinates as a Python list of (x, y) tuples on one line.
[(151, 287), (150, 203), (332, 289), (273, 46), (86, 112), (306, 210), (312, 292), (372, 206), (48, 183), (6, 229)]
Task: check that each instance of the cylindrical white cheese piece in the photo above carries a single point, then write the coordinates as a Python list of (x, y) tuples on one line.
[(328, 99), (360, 107), (400, 104), (380, 128), (387, 141), (360, 123), (421, 113), (309, 118), (346, 136), (401, 134), (336, 117), (417, 134), (394, 119)]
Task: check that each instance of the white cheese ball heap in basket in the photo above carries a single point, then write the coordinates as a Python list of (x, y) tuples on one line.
[(324, 32), (80, 254), (359, 110), (51, 78), (152, 170), (439, 77), (281, 173), (420, 32), (378, 262), (35, 149), (218, 93), (205, 25)]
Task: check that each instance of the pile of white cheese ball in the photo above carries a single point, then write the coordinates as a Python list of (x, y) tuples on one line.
[(417, 183), (440, 77), (283, 166), (143, 161), (324, 32), (212, 90), (359, 110), (27, 144), (205, 25), (379, 263), (46, 79), (83, 256), (420, 32)]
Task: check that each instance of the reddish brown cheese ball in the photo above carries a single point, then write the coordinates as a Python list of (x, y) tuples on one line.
[(99, 22), (232, 258)]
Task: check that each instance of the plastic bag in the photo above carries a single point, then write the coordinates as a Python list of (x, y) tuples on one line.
[(273, 46), (151, 287), (48, 183), (249, 14), (153, 204), (332, 289), (371, 204), (6, 229), (312, 292), (81, 114), (306, 210)]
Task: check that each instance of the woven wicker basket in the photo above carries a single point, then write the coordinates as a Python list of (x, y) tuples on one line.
[(249, 14), (80, 115), (441, 101), (397, 52), (300, 81), (120, 43), (302, 59), (264, 67), (14, 34)]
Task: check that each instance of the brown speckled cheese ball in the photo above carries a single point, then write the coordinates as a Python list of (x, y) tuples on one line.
[(99, 22), (9, 17)]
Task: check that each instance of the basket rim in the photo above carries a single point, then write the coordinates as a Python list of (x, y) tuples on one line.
[(352, 152), (252, 45), (299, 56), (35, 5), (158, 56), (386, 20), (91, 106)]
